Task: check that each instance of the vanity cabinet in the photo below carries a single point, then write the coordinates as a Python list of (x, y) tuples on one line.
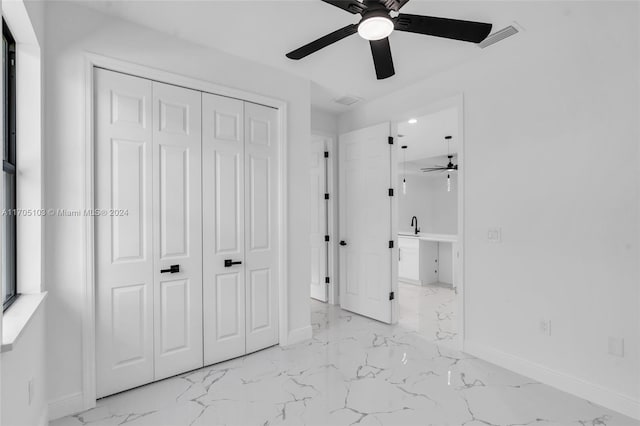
[(426, 259), (417, 260), (409, 259)]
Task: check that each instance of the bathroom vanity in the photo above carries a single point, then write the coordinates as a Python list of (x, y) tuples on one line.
[(425, 259)]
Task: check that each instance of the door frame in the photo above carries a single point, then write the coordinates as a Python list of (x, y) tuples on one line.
[(92, 61), (456, 101), (332, 181)]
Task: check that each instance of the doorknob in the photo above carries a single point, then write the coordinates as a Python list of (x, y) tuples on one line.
[(172, 269), (229, 263), (343, 243)]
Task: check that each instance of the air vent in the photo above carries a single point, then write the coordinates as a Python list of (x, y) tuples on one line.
[(498, 36), (347, 100)]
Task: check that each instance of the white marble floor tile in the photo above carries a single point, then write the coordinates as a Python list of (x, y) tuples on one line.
[(353, 371), (428, 310)]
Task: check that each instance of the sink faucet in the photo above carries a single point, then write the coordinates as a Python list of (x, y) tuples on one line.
[(416, 230)]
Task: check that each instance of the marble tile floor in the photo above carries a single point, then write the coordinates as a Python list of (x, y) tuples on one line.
[(354, 371), (430, 311)]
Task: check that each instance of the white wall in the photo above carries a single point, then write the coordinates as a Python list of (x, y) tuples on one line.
[(72, 30), (324, 122), (25, 363), (551, 156), (427, 199)]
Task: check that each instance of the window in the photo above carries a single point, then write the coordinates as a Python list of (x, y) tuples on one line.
[(9, 264)]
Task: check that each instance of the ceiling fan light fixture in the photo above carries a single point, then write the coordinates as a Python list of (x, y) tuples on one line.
[(375, 27)]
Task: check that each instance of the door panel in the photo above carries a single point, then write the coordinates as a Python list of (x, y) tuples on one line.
[(365, 222), (174, 316), (128, 324), (174, 200), (259, 174), (177, 220), (124, 259), (318, 219), (261, 239), (223, 227)]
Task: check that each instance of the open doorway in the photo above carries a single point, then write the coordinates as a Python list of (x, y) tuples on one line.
[(428, 224)]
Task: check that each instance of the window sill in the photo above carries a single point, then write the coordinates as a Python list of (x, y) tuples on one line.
[(17, 317)]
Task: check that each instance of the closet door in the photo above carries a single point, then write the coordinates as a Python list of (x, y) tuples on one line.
[(261, 236), (223, 227), (124, 249), (177, 220)]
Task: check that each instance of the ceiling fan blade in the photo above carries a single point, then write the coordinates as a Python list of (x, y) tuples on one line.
[(433, 169), (351, 6), (323, 42), (382, 60), (394, 4), (455, 29)]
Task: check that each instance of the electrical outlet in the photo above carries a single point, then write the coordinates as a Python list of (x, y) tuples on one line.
[(616, 346), (494, 235), (545, 327)]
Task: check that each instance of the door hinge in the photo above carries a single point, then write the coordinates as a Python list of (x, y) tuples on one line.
[(326, 154), (390, 140), (391, 244), (326, 238), (390, 192), (326, 280), (392, 296), (326, 196)]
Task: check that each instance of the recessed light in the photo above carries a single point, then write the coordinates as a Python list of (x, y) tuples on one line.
[(412, 121)]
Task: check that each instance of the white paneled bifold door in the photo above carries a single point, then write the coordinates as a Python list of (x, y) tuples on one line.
[(177, 226), (365, 222), (240, 227), (187, 268), (124, 244)]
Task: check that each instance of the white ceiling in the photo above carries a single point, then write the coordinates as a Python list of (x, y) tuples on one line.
[(264, 31), (426, 138)]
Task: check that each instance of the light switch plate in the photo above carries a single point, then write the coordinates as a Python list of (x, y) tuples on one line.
[(494, 235)]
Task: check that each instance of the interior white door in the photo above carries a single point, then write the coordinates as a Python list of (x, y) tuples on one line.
[(261, 225), (223, 228), (177, 220), (318, 218), (124, 248), (365, 222)]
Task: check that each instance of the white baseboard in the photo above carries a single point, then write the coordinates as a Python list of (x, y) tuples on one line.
[(300, 335), (410, 281), (579, 387), (66, 405)]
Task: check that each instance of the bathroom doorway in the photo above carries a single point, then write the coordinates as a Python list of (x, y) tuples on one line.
[(429, 222)]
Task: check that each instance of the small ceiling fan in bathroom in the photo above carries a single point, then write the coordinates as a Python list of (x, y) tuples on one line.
[(377, 23), (449, 168)]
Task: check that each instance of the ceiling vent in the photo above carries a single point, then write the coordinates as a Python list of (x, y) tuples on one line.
[(498, 36), (347, 100)]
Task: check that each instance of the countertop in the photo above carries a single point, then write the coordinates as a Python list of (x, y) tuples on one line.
[(445, 238)]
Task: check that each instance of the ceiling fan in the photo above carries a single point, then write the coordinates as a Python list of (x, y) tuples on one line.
[(450, 167), (377, 24)]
